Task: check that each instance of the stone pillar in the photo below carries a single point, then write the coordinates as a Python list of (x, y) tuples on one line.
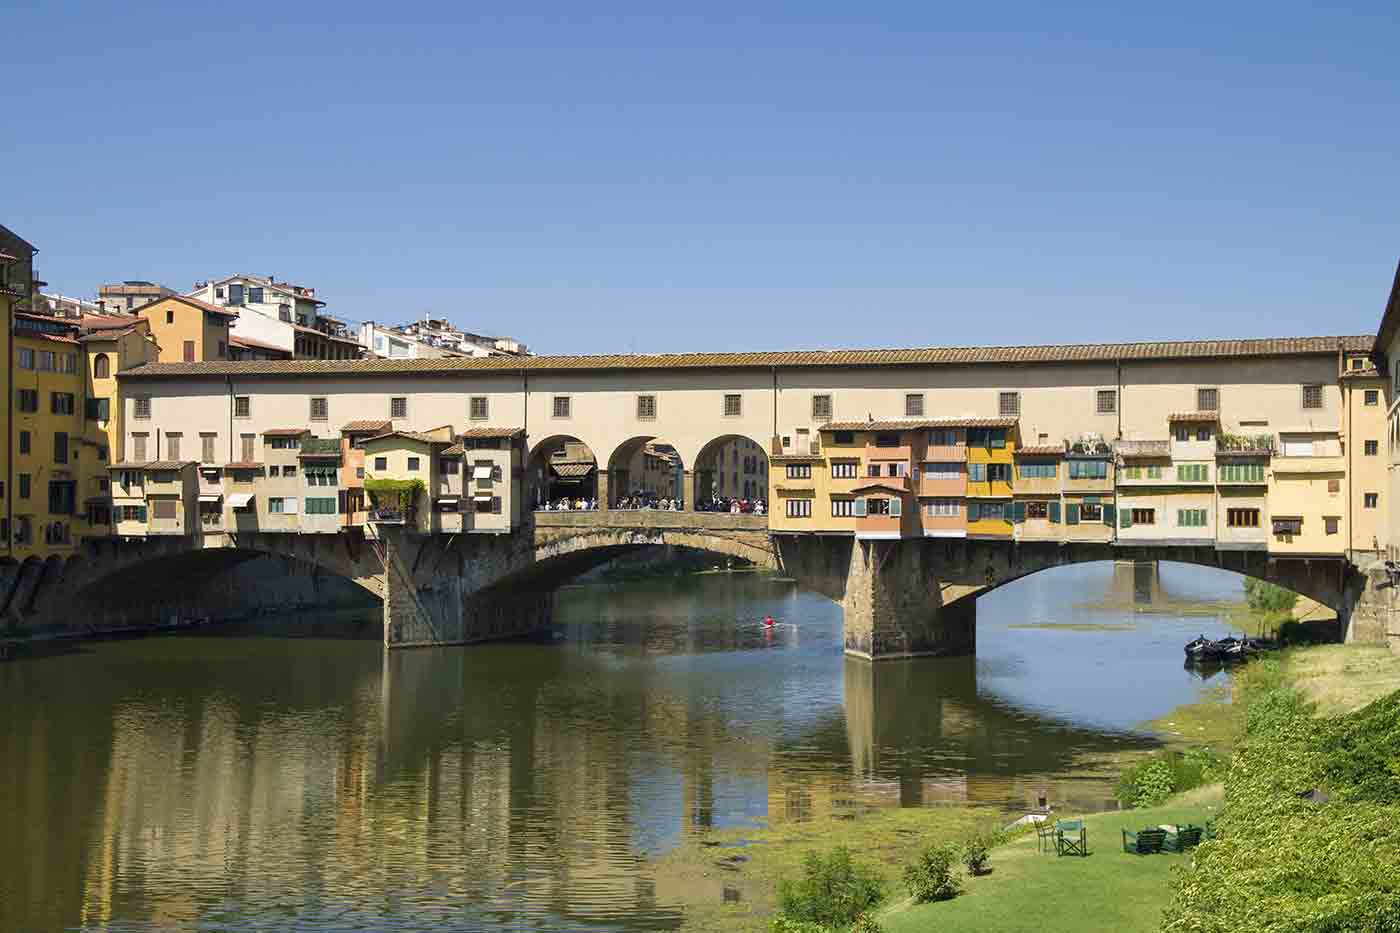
[(1373, 614), (691, 493), (1137, 582), (893, 605), (603, 503)]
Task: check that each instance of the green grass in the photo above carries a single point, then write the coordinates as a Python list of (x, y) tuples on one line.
[(1110, 891)]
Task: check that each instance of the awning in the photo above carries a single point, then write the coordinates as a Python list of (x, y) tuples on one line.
[(240, 500), (481, 498), (441, 498), (214, 498), (481, 472)]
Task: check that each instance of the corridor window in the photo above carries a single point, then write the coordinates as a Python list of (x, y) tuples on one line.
[(1242, 518), (998, 472), (320, 409), (1106, 401), (799, 508), (1037, 469), (1373, 396), (843, 508), (646, 408), (563, 405), (733, 406), (1372, 448), (478, 410), (799, 471), (942, 437), (141, 408), (882, 506), (821, 408), (1371, 500), (914, 405), (1009, 404), (843, 470), (398, 407), (1207, 400), (1144, 516), (1312, 396), (242, 407)]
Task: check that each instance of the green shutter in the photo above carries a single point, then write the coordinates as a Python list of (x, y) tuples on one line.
[(1108, 515), (860, 508), (1091, 500), (1018, 512), (896, 506), (1054, 512), (974, 512), (1125, 518), (1072, 513)]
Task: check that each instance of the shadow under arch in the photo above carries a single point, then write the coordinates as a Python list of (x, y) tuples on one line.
[(646, 467), (731, 466), (560, 466)]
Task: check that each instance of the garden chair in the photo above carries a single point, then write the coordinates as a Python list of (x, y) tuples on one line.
[(1144, 841), (1071, 838), (1180, 838), (1045, 836)]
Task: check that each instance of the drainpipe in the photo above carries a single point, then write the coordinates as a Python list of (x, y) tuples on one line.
[(774, 432), (1118, 375), (228, 380)]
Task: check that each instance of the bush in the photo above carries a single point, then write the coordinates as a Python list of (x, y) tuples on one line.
[(1266, 597), (975, 853), (834, 890), (933, 876), (1151, 781)]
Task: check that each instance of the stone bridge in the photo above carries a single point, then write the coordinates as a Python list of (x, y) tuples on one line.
[(901, 598)]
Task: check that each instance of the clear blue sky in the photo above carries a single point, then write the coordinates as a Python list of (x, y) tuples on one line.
[(604, 177)]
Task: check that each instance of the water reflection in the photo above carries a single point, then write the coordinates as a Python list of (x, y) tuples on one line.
[(169, 784)]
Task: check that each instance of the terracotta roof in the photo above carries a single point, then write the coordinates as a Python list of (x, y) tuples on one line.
[(916, 424), (243, 465), (799, 458), (238, 341), (932, 356), (569, 470), (410, 435), (106, 334), (107, 321), (366, 427), (878, 485), (193, 303), (54, 338), (285, 432), (1368, 372), (1207, 416), (485, 432), (456, 450), (311, 330), (126, 465), (1042, 450), (152, 465)]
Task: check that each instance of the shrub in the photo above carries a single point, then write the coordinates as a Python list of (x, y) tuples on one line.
[(934, 876), (975, 853), (834, 890), (1153, 780), (1263, 596)]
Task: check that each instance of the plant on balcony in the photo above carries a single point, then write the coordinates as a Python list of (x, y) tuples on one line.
[(1244, 443), (400, 494)]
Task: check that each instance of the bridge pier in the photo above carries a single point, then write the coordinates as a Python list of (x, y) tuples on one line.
[(894, 606)]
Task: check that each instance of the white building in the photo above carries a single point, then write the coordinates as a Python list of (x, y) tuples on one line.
[(433, 338), (281, 315)]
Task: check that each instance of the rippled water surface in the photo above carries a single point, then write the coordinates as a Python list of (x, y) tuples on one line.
[(209, 783)]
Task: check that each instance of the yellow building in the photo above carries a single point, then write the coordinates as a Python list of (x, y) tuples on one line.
[(110, 345), (1364, 433), (405, 456), (16, 285), (991, 453), (49, 394), (188, 330)]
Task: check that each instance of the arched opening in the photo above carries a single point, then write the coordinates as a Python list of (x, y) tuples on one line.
[(562, 472), (731, 474), (646, 473), (101, 366)]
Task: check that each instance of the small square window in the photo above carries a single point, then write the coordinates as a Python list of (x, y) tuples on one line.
[(398, 407), (381, 463), (242, 406), (1373, 396), (914, 405), (1106, 401), (479, 409), (562, 406), (141, 409), (821, 408), (1009, 404), (646, 408), (1312, 396), (1207, 399), (320, 409), (1331, 524), (1371, 500), (1372, 448), (733, 406), (413, 464)]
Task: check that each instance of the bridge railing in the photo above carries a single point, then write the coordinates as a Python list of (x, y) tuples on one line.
[(651, 518)]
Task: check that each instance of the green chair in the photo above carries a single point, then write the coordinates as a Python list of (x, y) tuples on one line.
[(1185, 837), (1045, 836), (1071, 838), (1145, 841)]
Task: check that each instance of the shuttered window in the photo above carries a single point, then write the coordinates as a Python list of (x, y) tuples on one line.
[(914, 405), (1009, 404), (1106, 401), (478, 409), (320, 409), (398, 407), (821, 408)]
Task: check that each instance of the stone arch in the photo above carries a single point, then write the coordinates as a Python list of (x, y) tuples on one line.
[(561, 466), (731, 466), (649, 465)]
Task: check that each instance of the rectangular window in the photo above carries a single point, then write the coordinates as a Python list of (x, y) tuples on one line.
[(879, 507), (26, 358), (1182, 432), (1106, 401), (1331, 524), (235, 293), (413, 464), (1242, 518), (289, 471), (98, 409), (1371, 499), (138, 448), (943, 470), (914, 405), (1009, 404), (60, 447), (246, 444), (381, 463), (242, 406), (799, 508), (733, 406), (843, 470), (1090, 512), (1372, 448), (843, 437), (275, 505), (320, 409), (478, 410), (1192, 473), (998, 472), (206, 448), (1241, 472), (1312, 396), (24, 485), (321, 506), (24, 442), (843, 508), (398, 407), (1294, 446), (61, 403), (1207, 400), (1285, 527), (1089, 469), (255, 294), (172, 446), (872, 469), (28, 400), (942, 437), (189, 351), (799, 471), (274, 470), (163, 508), (821, 408), (646, 408), (943, 508), (1037, 510), (1373, 396), (1191, 518), (1144, 516), (1037, 469), (141, 408), (46, 361), (1203, 433)]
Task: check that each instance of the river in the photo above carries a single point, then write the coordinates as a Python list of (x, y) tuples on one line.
[(230, 783)]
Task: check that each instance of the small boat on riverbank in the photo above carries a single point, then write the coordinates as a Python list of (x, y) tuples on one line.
[(1227, 650)]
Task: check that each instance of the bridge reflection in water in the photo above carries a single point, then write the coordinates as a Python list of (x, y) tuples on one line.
[(174, 781)]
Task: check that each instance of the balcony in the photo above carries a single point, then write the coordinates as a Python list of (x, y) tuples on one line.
[(1143, 449), (1257, 444), (392, 516), (929, 486), (943, 453), (885, 454)]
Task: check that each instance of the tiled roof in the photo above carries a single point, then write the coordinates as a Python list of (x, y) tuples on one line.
[(796, 458), (238, 341), (1207, 416), (243, 465), (1042, 450), (374, 426), (410, 435), (107, 321), (1368, 372), (879, 485), (932, 356), (193, 303), (485, 432), (285, 432), (456, 450), (168, 464), (570, 470), (917, 424)]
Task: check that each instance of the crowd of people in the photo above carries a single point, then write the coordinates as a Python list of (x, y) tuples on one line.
[(568, 505), (734, 506), (643, 500)]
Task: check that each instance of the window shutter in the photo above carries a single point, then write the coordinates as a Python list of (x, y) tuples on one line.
[(1108, 515), (1125, 518), (977, 472), (896, 504), (1054, 511), (860, 508), (974, 511), (1018, 512), (1072, 514)]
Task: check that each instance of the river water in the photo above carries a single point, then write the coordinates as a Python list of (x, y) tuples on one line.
[(213, 783)]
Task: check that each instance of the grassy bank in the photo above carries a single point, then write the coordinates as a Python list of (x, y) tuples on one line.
[(1034, 891)]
